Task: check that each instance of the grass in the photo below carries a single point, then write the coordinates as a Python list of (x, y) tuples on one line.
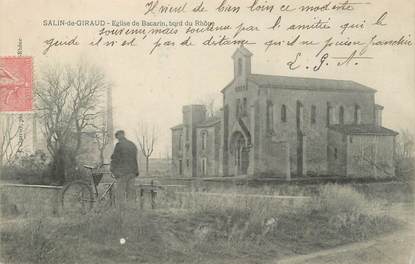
[(192, 228)]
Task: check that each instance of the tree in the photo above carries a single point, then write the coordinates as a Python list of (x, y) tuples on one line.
[(210, 102), (10, 145), (404, 155), (68, 100), (146, 137), (102, 138)]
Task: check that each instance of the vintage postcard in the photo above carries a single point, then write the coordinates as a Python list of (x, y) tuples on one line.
[(207, 131)]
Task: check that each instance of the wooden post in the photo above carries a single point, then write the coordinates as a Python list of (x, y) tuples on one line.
[(141, 198), (153, 199), (153, 196)]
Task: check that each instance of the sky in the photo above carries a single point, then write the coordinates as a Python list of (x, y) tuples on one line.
[(153, 88)]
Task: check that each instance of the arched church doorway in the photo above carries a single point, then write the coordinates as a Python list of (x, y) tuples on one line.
[(240, 154)]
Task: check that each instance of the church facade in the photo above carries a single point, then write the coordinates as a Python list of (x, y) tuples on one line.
[(278, 126)]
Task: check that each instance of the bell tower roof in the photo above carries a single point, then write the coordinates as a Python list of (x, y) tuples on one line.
[(244, 51)]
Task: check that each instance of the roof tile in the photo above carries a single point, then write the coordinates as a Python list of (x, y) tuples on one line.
[(302, 83), (363, 129)]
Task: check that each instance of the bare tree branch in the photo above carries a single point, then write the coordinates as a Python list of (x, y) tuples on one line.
[(9, 143), (68, 100), (210, 101)]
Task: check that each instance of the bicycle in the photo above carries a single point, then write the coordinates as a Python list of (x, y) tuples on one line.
[(79, 196)]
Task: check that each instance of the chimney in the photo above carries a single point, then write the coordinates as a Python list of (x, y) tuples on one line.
[(378, 115)]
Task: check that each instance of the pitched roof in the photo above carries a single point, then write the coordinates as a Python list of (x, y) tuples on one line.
[(210, 121), (180, 126), (363, 129), (207, 123), (302, 83), (242, 50)]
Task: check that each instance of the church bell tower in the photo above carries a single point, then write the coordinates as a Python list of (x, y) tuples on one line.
[(241, 65)]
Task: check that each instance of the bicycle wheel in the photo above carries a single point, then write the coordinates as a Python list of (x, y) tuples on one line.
[(77, 197)]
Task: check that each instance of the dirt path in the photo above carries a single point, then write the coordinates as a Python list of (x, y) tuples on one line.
[(395, 248), (398, 247)]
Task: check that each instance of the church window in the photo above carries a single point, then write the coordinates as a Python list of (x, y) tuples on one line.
[(239, 67), (283, 113), (204, 135), (313, 114), (357, 114), (204, 163), (245, 106), (335, 153), (180, 141), (341, 115), (238, 107), (187, 133), (329, 113), (188, 163), (299, 117), (180, 167), (270, 116)]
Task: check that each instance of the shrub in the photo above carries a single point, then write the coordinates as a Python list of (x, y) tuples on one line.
[(349, 214), (29, 169), (336, 199)]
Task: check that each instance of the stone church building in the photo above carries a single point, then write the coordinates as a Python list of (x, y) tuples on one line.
[(278, 126)]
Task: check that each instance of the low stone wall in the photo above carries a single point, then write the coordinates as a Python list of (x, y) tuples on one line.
[(29, 200)]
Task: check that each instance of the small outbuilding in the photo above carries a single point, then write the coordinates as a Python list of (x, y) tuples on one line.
[(364, 150)]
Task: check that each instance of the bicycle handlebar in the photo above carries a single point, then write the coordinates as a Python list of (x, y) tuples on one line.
[(96, 167)]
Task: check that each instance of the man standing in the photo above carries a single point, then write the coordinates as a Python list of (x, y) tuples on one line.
[(124, 167)]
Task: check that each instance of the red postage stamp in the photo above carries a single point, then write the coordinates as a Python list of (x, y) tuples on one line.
[(16, 82)]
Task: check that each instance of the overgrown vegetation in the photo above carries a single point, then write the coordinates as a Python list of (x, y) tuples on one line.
[(404, 156), (28, 169), (194, 227)]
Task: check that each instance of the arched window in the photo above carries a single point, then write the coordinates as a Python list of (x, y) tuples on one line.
[(204, 166), (204, 135), (299, 115), (283, 113), (341, 115), (245, 107), (328, 113), (240, 66), (313, 114), (357, 114), (238, 108), (180, 167), (270, 116)]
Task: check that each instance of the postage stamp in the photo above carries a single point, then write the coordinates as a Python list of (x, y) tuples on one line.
[(16, 82)]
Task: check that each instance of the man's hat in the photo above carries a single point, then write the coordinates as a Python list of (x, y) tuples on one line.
[(119, 133)]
